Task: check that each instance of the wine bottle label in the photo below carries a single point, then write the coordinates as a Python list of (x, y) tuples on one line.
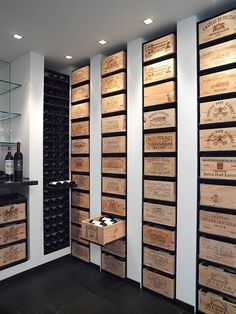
[(9, 167)]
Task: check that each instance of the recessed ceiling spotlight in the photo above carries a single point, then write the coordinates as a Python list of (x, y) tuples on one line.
[(17, 36), (102, 42), (68, 57), (148, 21)]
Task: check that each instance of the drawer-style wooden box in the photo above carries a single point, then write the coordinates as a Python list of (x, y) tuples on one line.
[(102, 235), (218, 252), (113, 206), (80, 199), (80, 146), (159, 71), (223, 168), (80, 93), (76, 234), (211, 303), (82, 181), (80, 128), (158, 48), (80, 75), (159, 119), (160, 142), (114, 103), (160, 166), (113, 265), (161, 238), (80, 251), (114, 185), (114, 83), (12, 254), (12, 233), (159, 94), (114, 124), (217, 279), (113, 145), (160, 260), (114, 165), (77, 216), (12, 213), (159, 283), (160, 214), (80, 111), (218, 139), (80, 164), (160, 190), (116, 248), (113, 63)]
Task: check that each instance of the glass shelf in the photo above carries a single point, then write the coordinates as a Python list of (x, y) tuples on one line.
[(7, 144), (8, 115), (6, 86)]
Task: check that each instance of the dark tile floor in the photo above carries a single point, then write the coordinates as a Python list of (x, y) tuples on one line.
[(67, 286)]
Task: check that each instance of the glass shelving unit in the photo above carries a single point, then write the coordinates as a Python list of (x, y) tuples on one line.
[(6, 86)]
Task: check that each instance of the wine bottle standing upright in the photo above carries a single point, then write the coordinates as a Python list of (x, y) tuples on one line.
[(9, 165), (18, 164)]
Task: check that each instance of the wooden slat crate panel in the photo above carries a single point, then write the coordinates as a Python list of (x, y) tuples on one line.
[(80, 75), (12, 213), (161, 238), (12, 254), (80, 111), (158, 48), (76, 234), (160, 214), (80, 251), (221, 139), (77, 216), (114, 124), (113, 206), (80, 128), (113, 265), (159, 94), (159, 260), (160, 166), (80, 199), (82, 181), (160, 190), (114, 103), (114, 144), (80, 93), (80, 146), (114, 165), (80, 164), (12, 233), (223, 168), (159, 71), (117, 248), (114, 185), (114, 83), (159, 119), (114, 63), (160, 142)]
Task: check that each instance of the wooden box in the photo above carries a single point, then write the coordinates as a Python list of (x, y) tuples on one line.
[(76, 234), (103, 235), (218, 83), (161, 238), (218, 139), (223, 168), (80, 75), (82, 181), (160, 166), (114, 185), (80, 251), (159, 48), (217, 27), (114, 83), (80, 93), (80, 199), (114, 206), (113, 265), (217, 279), (160, 190), (114, 124), (12, 233), (80, 146), (159, 283), (218, 111), (114, 165), (159, 94), (12, 254), (113, 63), (114, 103), (159, 71), (117, 248), (113, 145), (160, 214), (80, 128), (12, 213), (160, 142), (218, 252), (159, 119), (80, 164), (160, 260), (80, 111), (211, 303), (77, 216), (221, 196)]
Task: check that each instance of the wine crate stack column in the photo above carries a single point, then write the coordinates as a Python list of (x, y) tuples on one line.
[(216, 262), (114, 159), (80, 152), (159, 166), (56, 160)]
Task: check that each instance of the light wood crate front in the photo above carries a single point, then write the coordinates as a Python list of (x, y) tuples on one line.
[(114, 83), (160, 214), (159, 119), (161, 238), (80, 75), (221, 139), (80, 146), (160, 190), (113, 63), (80, 111), (80, 251), (114, 103), (113, 265), (80, 93), (113, 206), (160, 166), (159, 48), (114, 185), (160, 142), (159, 71), (160, 260), (12, 213), (116, 248), (223, 168), (12, 233), (12, 254), (159, 94), (80, 199), (113, 145)]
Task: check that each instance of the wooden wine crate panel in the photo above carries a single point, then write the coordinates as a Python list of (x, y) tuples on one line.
[(114, 103), (217, 27), (80, 128), (159, 119), (80, 164), (114, 206), (114, 83), (160, 190), (211, 303), (79, 199), (80, 93), (218, 55), (159, 71), (80, 146), (114, 185), (80, 111), (160, 142), (80, 251), (160, 214), (160, 166), (12, 233), (113, 265), (218, 83), (221, 139), (222, 196), (159, 283), (82, 181), (12, 254), (76, 234), (117, 248), (218, 252), (77, 216), (114, 165), (113, 63), (159, 94), (218, 111), (223, 168), (114, 145), (158, 48), (217, 279), (159, 260), (12, 213), (114, 124), (161, 238), (80, 75), (218, 224)]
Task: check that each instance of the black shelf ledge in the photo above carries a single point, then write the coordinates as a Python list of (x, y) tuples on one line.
[(25, 182)]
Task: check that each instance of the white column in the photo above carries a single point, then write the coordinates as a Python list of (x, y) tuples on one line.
[(134, 159), (187, 160)]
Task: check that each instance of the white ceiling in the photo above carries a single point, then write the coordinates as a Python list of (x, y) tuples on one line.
[(55, 28)]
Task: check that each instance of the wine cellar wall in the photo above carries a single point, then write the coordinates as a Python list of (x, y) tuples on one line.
[(80, 161), (159, 165), (55, 161), (216, 262)]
